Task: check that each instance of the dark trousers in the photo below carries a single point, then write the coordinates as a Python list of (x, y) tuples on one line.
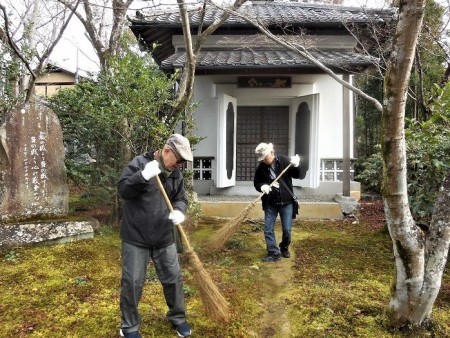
[(134, 270)]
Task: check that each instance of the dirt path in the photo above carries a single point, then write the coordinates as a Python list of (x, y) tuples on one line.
[(275, 321)]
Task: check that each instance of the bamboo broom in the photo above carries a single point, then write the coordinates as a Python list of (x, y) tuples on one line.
[(221, 237), (215, 304)]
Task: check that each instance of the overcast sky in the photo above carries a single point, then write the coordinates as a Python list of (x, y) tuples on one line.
[(75, 51)]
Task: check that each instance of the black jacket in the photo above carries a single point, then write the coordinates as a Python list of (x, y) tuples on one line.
[(145, 214), (262, 176)]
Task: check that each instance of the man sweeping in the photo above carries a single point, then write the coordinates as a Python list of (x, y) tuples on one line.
[(278, 199), (147, 232)]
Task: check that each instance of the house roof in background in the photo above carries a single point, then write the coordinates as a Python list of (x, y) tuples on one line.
[(52, 68)]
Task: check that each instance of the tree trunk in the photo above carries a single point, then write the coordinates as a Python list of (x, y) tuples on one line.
[(408, 239), (436, 254)]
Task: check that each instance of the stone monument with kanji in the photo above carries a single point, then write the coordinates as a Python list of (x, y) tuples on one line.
[(33, 184)]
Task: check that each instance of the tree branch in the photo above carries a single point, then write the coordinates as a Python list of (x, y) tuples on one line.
[(12, 43), (301, 50), (55, 42)]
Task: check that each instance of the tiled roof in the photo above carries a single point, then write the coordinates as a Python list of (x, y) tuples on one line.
[(252, 59), (270, 13), (157, 28)]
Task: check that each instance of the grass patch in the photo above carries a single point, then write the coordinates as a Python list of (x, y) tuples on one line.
[(337, 286)]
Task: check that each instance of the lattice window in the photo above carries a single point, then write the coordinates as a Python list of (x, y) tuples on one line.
[(202, 168), (331, 170)]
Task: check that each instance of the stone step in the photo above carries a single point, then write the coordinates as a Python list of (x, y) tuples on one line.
[(308, 210)]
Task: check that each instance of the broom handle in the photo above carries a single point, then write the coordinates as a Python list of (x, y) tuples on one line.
[(169, 205), (275, 180)]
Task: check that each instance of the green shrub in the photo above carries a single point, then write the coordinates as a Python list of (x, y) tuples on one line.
[(368, 172), (427, 149)]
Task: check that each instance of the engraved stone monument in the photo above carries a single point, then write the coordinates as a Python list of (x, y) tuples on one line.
[(33, 185)]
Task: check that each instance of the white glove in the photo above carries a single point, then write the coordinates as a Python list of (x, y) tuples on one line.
[(151, 170), (295, 160), (176, 217), (265, 188)]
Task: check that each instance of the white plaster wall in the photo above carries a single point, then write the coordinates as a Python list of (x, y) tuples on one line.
[(205, 117), (330, 118), (330, 114), (330, 109)]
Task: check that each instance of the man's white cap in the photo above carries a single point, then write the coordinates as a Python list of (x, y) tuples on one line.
[(262, 150), (181, 146)]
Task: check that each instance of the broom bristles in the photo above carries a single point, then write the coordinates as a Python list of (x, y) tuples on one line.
[(214, 303), (221, 237)]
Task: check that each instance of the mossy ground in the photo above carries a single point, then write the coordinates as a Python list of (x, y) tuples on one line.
[(335, 285)]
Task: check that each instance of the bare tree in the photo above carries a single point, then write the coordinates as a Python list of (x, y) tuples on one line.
[(36, 29), (104, 21), (419, 269)]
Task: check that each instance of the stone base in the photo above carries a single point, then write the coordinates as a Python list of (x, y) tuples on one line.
[(308, 210), (349, 205), (46, 232)]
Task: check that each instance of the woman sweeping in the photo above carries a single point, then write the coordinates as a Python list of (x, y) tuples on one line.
[(278, 198)]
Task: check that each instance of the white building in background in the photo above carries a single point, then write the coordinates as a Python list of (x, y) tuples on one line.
[(251, 90)]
